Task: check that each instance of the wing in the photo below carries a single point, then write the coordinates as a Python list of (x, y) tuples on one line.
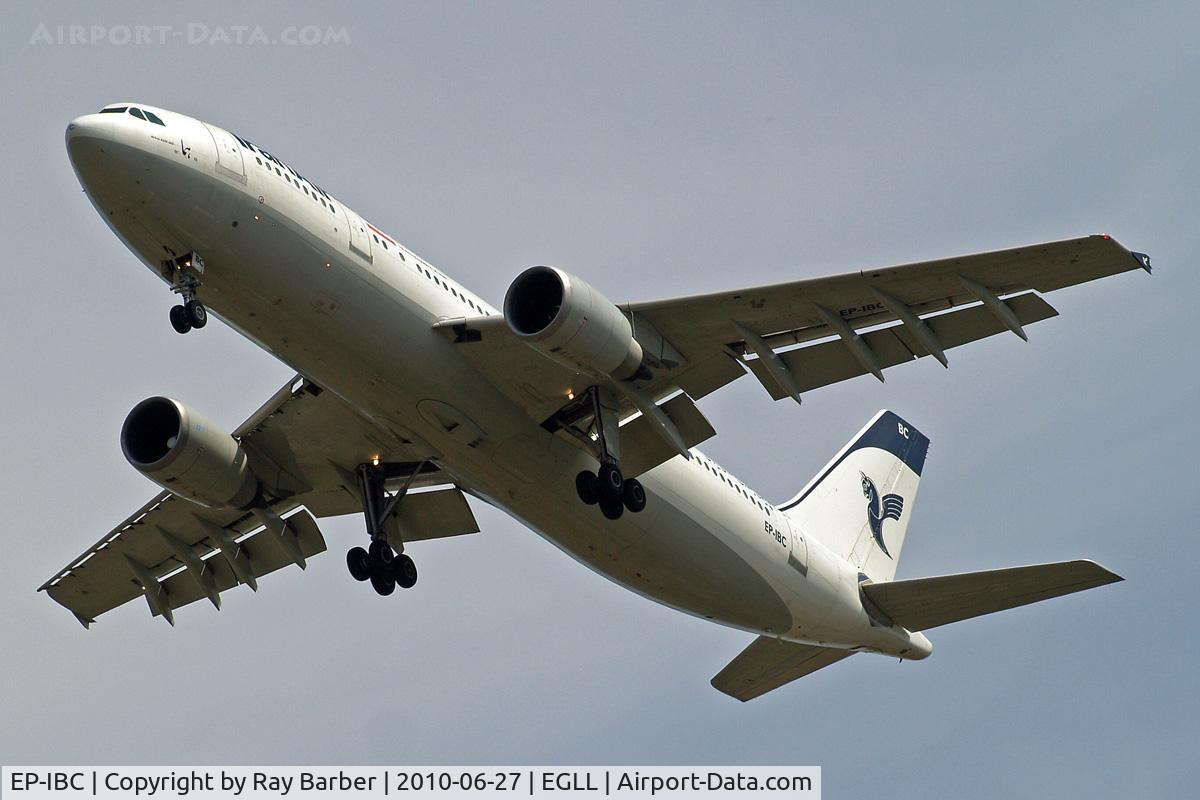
[(801, 311), (305, 444), (703, 342), (770, 663)]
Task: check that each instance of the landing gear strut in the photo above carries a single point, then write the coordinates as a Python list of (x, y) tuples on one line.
[(380, 564), (185, 280), (607, 487)]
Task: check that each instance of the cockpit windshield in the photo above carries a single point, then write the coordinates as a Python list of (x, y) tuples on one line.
[(146, 116)]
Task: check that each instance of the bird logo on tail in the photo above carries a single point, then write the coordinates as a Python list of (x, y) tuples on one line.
[(890, 507)]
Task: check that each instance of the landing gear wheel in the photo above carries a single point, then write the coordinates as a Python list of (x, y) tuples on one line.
[(359, 563), (197, 314), (382, 556), (633, 495), (612, 507), (404, 571), (383, 584), (609, 482), (179, 319), (585, 485)]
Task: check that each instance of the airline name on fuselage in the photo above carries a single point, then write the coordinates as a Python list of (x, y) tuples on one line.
[(256, 149)]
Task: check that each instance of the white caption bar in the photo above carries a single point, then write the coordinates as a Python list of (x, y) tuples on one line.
[(445, 783)]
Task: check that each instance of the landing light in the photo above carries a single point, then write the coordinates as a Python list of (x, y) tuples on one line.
[(375, 461), (570, 394)]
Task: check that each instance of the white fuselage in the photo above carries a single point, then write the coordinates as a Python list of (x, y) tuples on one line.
[(303, 276)]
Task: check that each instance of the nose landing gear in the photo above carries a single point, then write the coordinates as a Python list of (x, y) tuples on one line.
[(190, 314), (185, 272)]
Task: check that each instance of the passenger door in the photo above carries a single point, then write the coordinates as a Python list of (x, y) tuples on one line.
[(798, 557), (360, 237), (229, 154)]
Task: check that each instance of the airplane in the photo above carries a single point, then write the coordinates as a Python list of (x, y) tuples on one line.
[(574, 414)]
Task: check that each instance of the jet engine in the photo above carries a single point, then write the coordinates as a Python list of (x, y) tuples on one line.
[(187, 455), (566, 319)]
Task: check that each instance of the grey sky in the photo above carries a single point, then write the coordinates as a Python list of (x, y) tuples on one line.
[(654, 149)]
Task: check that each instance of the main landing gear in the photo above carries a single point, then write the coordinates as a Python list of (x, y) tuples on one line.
[(607, 487), (185, 280), (612, 492), (379, 563)]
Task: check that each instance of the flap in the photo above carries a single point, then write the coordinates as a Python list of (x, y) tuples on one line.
[(264, 553), (431, 515), (642, 449), (829, 362)]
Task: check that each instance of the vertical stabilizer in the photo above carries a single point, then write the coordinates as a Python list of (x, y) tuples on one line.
[(859, 505)]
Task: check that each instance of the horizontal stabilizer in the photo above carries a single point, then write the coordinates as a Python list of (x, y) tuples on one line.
[(926, 603), (770, 663)]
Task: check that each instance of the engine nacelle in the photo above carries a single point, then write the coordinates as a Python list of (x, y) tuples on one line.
[(565, 318), (187, 455)]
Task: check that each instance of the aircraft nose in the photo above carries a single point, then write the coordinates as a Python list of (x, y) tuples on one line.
[(87, 138), (89, 126), (87, 134)]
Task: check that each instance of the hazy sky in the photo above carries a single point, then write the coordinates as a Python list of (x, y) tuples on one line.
[(655, 149)]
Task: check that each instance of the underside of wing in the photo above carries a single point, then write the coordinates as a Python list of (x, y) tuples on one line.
[(790, 313), (769, 663), (305, 448), (173, 552), (793, 337)]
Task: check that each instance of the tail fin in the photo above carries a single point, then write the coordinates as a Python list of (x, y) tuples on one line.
[(859, 505)]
